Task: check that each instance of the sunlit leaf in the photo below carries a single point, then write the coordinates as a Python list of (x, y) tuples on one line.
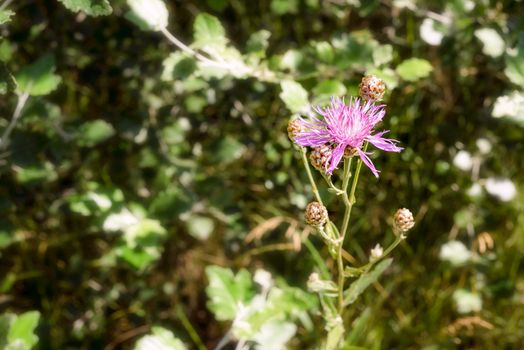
[(294, 96), (227, 292), (94, 132), (39, 78), (492, 43), (200, 227), (5, 16), (160, 339), (281, 7), (414, 69), (208, 32), (90, 7), (22, 331), (148, 14), (329, 88)]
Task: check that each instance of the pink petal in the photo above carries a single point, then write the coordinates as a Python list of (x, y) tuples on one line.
[(384, 144), (368, 162), (336, 157)]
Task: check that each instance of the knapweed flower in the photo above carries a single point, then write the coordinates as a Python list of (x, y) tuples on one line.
[(346, 127)]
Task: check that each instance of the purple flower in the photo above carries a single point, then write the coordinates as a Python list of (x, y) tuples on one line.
[(346, 127)]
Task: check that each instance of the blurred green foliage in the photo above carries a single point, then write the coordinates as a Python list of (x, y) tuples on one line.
[(132, 167)]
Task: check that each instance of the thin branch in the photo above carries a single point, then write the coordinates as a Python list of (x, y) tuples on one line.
[(22, 99), (5, 4), (187, 49)]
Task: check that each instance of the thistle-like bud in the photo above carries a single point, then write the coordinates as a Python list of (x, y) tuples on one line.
[(403, 221), (293, 128), (372, 88), (320, 156), (316, 214)]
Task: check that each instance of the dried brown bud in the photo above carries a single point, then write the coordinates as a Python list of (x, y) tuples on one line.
[(320, 156), (293, 128), (316, 214), (372, 88), (403, 221)]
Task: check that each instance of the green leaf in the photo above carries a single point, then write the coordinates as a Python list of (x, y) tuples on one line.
[(258, 41), (515, 65), (5, 16), (364, 281), (90, 7), (334, 337), (324, 51), (382, 54), (281, 7), (358, 328), (355, 51), (36, 173), (138, 258), (22, 329), (228, 150), (94, 132), (200, 227), (5, 323), (329, 88), (414, 69), (148, 14), (217, 5), (178, 66), (208, 32), (39, 78), (160, 339), (294, 96), (226, 292)]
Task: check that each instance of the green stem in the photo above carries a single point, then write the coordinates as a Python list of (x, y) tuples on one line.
[(388, 250), (310, 175), (348, 201), (335, 189), (189, 328)]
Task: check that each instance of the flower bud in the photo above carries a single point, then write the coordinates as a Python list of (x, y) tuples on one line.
[(403, 221), (372, 88), (316, 214), (293, 128), (317, 285), (376, 252), (320, 156)]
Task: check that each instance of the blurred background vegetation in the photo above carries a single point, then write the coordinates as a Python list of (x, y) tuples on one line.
[(131, 168)]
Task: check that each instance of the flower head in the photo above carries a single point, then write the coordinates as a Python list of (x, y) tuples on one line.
[(403, 221), (372, 88), (316, 214), (346, 127)]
